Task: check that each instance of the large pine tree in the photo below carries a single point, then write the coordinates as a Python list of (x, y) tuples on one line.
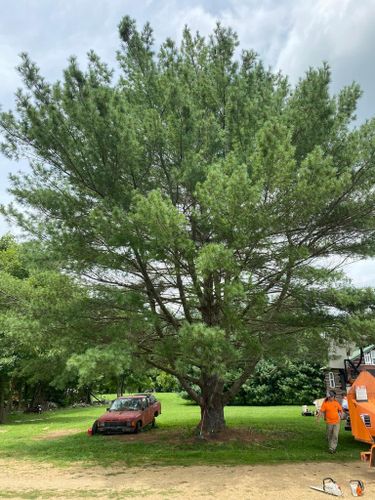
[(204, 199)]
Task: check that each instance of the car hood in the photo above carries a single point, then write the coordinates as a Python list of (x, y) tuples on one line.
[(110, 416)]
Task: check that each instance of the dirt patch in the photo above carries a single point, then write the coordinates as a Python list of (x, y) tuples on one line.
[(56, 434), (21, 479), (247, 436)]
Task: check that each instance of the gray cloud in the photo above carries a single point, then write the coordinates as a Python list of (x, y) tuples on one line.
[(340, 32)]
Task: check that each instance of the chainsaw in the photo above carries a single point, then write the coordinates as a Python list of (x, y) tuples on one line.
[(357, 487), (330, 487)]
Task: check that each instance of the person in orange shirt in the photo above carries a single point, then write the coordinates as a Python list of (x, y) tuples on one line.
[(332, 412)]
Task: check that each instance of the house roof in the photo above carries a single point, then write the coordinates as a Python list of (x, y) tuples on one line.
[(357, 352), (354, 356)]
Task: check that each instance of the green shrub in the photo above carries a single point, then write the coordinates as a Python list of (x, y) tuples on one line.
[(291, 383)]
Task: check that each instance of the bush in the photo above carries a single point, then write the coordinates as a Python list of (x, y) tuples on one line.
[(291, 383)]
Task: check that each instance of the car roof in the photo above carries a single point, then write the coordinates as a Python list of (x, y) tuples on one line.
[(137, 396)]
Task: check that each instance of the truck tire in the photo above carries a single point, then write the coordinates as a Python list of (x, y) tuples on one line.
[(94, 428), (138, 427)]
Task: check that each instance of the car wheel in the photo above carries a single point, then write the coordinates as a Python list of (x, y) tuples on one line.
[(137, 427), (94, 428), (153, 423)]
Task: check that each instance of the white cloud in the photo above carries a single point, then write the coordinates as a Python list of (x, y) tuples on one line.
[(8, 77), (340, 32), (362, 273), (260, 26)]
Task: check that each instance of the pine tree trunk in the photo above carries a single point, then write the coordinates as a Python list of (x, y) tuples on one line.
[(212, 407), (212, 419)]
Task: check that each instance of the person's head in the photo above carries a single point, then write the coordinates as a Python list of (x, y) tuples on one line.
[(331, 395)]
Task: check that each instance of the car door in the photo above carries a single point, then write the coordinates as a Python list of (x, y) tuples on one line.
[(153, 406), (147, 418)]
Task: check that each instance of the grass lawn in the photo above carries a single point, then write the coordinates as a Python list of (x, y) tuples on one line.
[(261, 435)]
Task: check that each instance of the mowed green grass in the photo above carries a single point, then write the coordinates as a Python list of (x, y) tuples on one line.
[(280, 433)]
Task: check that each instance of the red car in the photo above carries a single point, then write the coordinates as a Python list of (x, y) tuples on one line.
[(128, 414)]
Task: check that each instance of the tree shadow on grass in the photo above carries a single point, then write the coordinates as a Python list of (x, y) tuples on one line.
[(53, 420), (51, 417)]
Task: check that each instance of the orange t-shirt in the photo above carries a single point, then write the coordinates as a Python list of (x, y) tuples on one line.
[(331, 411)]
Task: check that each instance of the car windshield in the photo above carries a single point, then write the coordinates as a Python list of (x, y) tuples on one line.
[(126, 404)]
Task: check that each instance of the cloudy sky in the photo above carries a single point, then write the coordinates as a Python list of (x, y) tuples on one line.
[(290, 35)]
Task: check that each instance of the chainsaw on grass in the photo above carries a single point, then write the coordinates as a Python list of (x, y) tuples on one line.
[(330, 487)]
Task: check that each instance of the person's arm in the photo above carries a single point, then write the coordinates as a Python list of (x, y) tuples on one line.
[(340, 410), (321, 412)]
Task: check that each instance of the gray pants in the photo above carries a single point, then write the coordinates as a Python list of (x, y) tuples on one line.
[(333, 435)]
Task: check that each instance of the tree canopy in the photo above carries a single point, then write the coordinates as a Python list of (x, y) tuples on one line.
[(204, 200)]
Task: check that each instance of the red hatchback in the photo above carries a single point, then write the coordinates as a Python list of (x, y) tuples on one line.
[(128, 414)]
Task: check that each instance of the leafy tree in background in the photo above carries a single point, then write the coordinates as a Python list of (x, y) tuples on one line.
[(12, 276), (164, 382), (196, 194), (27, 355), (44, 320), (48, 325)]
